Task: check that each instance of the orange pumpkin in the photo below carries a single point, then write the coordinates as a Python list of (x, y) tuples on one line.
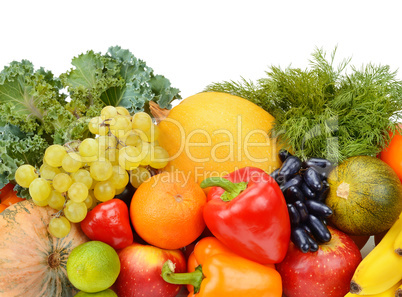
[(32, 262)]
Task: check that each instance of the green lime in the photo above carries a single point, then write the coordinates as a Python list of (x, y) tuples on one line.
[(106, 293), (93, 266)]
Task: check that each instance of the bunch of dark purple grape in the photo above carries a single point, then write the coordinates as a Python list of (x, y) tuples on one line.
[(305, 187)]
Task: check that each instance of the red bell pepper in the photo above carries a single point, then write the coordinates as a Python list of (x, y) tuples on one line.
[(7, 191), (247, 212), (109, 222), (216, 271)]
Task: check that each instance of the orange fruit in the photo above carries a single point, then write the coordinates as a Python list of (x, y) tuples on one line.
[(166, 210)]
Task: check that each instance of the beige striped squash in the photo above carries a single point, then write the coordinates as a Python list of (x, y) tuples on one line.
[(33, 262)]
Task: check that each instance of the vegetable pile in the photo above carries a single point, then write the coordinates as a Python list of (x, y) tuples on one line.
[(246, 189)]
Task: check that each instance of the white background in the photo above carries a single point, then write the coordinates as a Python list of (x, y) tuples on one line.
[(195, 43)]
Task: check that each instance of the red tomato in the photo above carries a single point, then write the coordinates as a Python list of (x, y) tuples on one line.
[(392, 155)]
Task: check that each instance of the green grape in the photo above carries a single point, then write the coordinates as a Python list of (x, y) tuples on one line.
[(119, 178), (101, 154), (98, 125), (145, 155), (112, 154), (122, 111), (59, 227), (41, 203), (104, 191), (159, 157), (40, 189), (94, 182), (138, 176), (95, 201), (48, 172), (105, 142), (131, 138), (82, 176), (88, 149), (119, 191), (56, 200), (93, 125), (54, 155), (25, 174), (71, 162), (75, 212), (153, 133), (141, 121), (89, 201), (61, 182), (109, 112), (101, 170), (119, 126), (141, 134), (129, 157), (77, 192)]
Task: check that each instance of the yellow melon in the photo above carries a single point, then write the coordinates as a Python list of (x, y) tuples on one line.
[(213, 134)]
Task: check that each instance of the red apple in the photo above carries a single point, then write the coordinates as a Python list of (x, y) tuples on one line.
[(325, 273), (140, 272)]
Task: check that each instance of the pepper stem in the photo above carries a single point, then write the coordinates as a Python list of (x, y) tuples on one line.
[(232, 190), (189, 278)]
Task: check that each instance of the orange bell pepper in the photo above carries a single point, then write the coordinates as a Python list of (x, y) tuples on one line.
[(222, 273), (5, 191), (11, 199), (8, 196), (2, 207)]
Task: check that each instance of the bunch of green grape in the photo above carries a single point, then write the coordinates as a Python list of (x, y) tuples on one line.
[(75, 177)]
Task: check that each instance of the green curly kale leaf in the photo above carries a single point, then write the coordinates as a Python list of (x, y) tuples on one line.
[(117, 78), (32, 100), (18, 148)]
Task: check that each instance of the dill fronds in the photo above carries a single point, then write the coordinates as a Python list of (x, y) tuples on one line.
[(324, 112)]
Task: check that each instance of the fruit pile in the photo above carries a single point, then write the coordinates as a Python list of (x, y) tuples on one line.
[(204, 201), (305, 187), (78, 175)]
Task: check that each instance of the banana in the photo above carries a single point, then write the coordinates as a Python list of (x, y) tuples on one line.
[(391, 292), (398, 244), (398, 291), (381, 268)]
